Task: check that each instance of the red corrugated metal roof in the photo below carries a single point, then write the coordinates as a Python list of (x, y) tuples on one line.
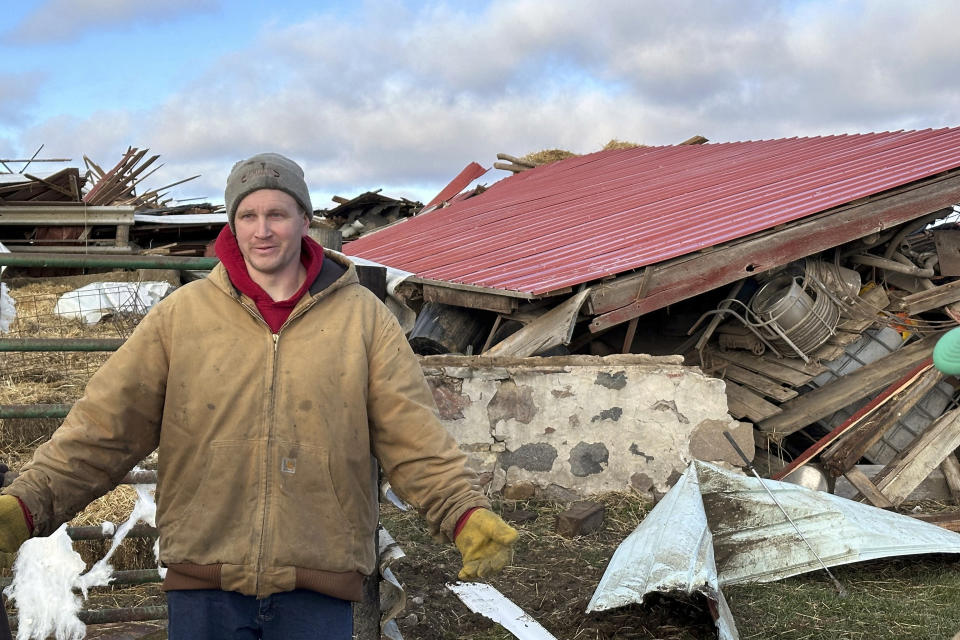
[(608, 212)]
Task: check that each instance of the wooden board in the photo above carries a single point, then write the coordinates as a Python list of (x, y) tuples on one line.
[(931, 299), (831, 397), (773, 369), (862, 483), (744, 403), (909, 468), (812, 368), (761, 384), (469, 299)]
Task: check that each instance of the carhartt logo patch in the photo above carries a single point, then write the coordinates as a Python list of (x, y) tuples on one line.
[(288, 465), (261, 172)]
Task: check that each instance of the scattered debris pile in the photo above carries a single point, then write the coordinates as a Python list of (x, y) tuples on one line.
[(98, 211), (368, 211)]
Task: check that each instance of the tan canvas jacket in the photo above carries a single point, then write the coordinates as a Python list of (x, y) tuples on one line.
[(264, 439)]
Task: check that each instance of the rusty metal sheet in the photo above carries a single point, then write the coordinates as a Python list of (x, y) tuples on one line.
[(611, 212)]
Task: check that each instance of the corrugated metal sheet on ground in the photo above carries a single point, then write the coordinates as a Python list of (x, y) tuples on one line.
[(609, 212)]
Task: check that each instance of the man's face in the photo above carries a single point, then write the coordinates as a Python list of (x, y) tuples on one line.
[(269, 226)]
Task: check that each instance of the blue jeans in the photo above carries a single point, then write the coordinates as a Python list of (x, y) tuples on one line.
[(207, 614)]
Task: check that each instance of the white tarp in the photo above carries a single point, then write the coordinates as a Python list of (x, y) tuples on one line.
[(96, 300), (717, 527)]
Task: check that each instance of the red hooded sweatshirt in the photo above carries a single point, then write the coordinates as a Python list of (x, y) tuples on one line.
[(275, 313)]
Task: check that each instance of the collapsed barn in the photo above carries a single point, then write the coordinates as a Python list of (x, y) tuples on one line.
[(599, 322), (812, 275)]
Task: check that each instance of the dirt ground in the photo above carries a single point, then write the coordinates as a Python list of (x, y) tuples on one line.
[(552, 578)]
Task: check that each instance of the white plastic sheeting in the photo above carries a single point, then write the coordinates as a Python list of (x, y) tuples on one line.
[(8, 307), (96, 300), (717, 527)]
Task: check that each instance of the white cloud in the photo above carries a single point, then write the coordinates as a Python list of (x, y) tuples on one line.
[(18, 90), (63, 19), (408, 96)]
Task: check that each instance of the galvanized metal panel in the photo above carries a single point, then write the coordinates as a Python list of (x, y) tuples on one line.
[(610, 212)]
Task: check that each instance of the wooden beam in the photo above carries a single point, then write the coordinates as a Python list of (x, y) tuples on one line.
[(822, 402), (926, 300), (555, 327), (770, 368), (922, 456), (743, 403), (690, 275), (469, 299), (761, 384), (862, 483)]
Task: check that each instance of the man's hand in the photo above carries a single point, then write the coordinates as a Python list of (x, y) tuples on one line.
[(13, 525), (486, 544)]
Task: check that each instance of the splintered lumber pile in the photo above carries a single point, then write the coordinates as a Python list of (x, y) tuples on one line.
[(117, 186)]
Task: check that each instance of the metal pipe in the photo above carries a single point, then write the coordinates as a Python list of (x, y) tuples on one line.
[(60, 344), (891, 265), (181, 263), (104, 616), (66, 215), (34, 411), (135, 576), (84, 249), (96, 533)]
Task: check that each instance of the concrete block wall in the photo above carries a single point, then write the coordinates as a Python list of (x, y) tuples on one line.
[(574, 426)]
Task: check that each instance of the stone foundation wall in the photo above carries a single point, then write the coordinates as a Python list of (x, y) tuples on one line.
[(572, 426)]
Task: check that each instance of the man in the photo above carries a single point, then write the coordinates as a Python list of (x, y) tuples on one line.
[(266, 387)]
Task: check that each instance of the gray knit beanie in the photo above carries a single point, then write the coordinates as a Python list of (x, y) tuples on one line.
[(265, 171)]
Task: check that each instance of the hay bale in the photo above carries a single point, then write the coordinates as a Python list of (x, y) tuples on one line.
[(546, 156), (620, 144)]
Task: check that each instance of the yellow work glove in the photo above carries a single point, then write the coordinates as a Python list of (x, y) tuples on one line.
[(486, 544), (13, 525)]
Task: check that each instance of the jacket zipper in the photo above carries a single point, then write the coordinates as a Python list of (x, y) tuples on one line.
[(270, 413)]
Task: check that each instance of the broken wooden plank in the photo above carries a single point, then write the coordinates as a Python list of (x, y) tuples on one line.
[(949, 520), (858, 416), (469, 299), (553, 328), (811, 368), (862, 483), (831, 397), (933, 487), (758, 383), (922, 456), (743, 403), (931, 299), (774, 369), (849, 448)]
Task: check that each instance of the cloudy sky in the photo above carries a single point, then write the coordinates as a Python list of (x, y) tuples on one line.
[(401, 95)]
